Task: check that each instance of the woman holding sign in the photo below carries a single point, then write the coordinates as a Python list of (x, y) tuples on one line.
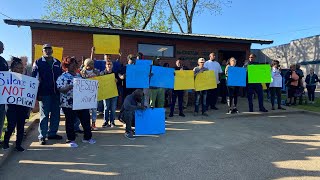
[(65, 86), (16, 114), (233, 91)]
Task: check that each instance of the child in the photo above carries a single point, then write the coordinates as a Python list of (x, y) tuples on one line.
[(16, 114), (311, 81), (276, 84), (88, 71), (233, 91)]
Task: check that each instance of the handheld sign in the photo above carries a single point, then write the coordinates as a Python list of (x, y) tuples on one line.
[(150, 121), (259, 73), (137, 76), (237, 76), (162, 77), (144, 62), (18, 89), (183, 80), (57, 52), (106, 44), (205, 80), (107, 86), (84, 94)]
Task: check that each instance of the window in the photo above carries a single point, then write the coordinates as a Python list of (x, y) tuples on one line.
[(156, 50)]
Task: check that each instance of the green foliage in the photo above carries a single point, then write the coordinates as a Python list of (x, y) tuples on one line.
[(128, 14)]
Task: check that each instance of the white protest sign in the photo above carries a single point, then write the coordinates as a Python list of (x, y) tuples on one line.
[(18, 89), (85, 93)]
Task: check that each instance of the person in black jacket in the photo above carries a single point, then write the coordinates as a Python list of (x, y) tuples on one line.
[(3, 67), (311, 81)]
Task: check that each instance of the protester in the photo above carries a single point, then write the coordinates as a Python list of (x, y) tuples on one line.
[(47, 69), (65, 86), (177, 94), (276, 84), (89, 71), (292, 81), (131, 103), (311, 81), (157, 95), (213, 65), (300, 91), (3, 67), (122, 76), (254, 87), (16, 114), (200, 94), (223, 83), (233, 91), (110, 104)]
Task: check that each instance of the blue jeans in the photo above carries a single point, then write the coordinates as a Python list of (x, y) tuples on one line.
[(2, 115), (49, 106), (198, 95), (110, 105), (252, 88), (94, 115)]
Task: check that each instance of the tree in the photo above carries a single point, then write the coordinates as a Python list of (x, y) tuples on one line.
[(185, 10), (129, 14)]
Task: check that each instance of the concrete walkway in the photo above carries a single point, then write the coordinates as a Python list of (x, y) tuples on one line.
[(277, 145)]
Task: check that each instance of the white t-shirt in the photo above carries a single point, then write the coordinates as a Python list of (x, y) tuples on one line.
[(214, 66), (276, 78)]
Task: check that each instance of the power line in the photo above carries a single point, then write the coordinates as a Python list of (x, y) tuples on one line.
[(286, 32), (5, 15)]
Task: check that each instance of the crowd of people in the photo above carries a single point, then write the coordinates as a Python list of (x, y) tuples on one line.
[(55, 92)]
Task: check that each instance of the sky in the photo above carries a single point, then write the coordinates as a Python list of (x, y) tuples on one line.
[(279, 20)]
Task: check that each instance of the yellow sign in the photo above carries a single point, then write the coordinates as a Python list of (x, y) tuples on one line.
[(107, 86), (205, 80), (106, 44), (57, 52), (180, 79)]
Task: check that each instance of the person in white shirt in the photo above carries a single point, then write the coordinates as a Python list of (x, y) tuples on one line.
[(213, 65), (276, 84)]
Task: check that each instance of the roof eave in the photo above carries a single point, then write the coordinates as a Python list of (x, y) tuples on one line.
[(61, 27)]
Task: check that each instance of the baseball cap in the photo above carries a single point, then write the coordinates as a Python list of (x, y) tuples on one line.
[(46, 46), (201, 60)]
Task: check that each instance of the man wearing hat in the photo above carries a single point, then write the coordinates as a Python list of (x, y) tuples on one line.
[(47, 69)]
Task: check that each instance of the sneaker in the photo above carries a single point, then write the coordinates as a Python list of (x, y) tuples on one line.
[(19, 149), (112, 125), (42, 141), (182, 115), (90, 141), (133, 132), (204, 114), (93, 127), (230, 111), (235, 110), (129, 136), (5, 146), (105, 124), (57, 137), (73, 144)]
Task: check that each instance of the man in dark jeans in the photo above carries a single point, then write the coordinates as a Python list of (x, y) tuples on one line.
[(254, 87), (47, 69), (3, 67), (131, 103)]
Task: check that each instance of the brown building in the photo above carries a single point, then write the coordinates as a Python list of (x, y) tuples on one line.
[(77, 40)]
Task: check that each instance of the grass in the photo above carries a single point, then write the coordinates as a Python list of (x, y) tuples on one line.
[(310, 107)]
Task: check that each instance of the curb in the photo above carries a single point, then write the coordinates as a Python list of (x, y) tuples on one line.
[(28, 127)]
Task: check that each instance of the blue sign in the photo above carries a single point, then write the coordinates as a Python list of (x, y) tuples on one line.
[(100, 65), (150, 121), (144, 62), (237, 76), (162, 77), (137, 76)]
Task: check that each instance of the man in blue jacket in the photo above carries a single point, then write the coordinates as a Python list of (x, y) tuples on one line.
[(47, 69)]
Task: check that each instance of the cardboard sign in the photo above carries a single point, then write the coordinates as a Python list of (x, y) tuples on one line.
[(150, 121), (205, 80), (18, 89), (259, 73), (106, 44), (237, 76), (184, 80), (107, 86), (84, 93), (144, 62), (57, 52), (137, 76), (162, 77), (100, 65)]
